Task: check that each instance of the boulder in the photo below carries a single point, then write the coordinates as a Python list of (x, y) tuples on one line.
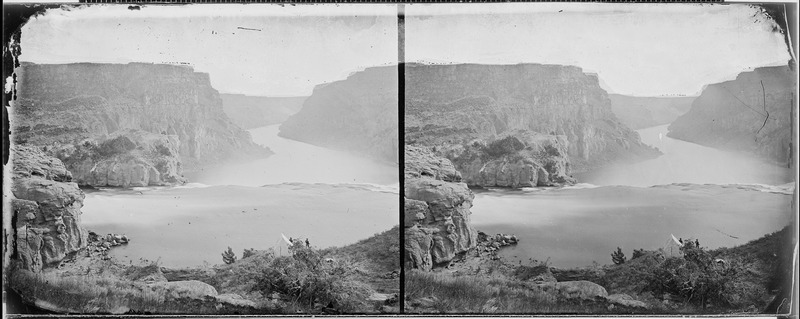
[(580, 289), (235, 300), (627, 301), (192, 289)]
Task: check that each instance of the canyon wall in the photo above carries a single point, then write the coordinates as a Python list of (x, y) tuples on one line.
[(544, 106), (437, 210), (358, 114), (250, 112), (642, 112), (45, 210), (62, 104), (738, 115)]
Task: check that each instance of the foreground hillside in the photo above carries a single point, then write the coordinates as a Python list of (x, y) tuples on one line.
[(739, 115)]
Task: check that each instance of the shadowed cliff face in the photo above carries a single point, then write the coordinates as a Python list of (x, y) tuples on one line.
[(436, 214), (67, 103), (454, 104), (45, 208), (730, 115), (358, 114)]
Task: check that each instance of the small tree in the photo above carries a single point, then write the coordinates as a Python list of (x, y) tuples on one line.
[(228, 256), (618, 257)]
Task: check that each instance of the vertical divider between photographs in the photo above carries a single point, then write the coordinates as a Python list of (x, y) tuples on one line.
[(401, 143)]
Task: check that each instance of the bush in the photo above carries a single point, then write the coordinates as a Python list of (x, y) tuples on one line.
[(701, 280), (310, 279), (228, 256)]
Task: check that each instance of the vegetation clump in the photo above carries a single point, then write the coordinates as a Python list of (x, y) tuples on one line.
[(228, 256), (618, 257)]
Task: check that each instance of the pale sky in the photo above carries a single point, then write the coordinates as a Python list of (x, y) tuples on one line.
[(636, 49), (297, 47)]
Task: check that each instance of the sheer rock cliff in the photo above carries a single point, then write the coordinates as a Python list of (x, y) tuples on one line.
[(738, 115), (541, 105), (45, 210), (65, 104), (437, 210), (358, 114)]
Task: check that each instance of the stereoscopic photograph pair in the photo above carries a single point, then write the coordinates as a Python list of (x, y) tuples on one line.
[(400, 159)]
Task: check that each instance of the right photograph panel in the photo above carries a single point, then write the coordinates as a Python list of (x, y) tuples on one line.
[(600, 158)]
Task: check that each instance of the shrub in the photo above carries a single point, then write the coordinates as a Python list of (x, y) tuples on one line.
[(637, 253), (618, 257), (310, 279), (701, 280), (228, 256)]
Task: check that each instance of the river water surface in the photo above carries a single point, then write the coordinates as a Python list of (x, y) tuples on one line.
[(723, 199), (303, 191)]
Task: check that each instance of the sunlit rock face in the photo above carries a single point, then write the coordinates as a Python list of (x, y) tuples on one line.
[(126, 158), (45, 209), (732, 115), (437, 210), (449, 105), (68, 103), (514, 159), (358, 114)]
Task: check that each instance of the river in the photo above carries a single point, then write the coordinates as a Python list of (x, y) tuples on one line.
[(303, 191), (721, 198)]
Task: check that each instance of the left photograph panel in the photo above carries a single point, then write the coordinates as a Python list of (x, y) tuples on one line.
[(203, 159)]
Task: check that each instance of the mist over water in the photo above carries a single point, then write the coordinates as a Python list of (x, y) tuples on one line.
[(702, 193), (685, 162), (303, 191), (295, 161)]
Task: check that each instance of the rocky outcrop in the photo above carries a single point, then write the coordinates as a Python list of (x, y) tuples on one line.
[(518, 159), (738, 115), (358, 114), (125, 158), (638, 112), (68, 103), (256, 111), (45, 210), (450, 105), (437, 216)]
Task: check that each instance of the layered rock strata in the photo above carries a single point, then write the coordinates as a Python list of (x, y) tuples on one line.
[(358, 114), (45, 210), (68, 103), (739, 115), (437, 210), (450, 105)]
